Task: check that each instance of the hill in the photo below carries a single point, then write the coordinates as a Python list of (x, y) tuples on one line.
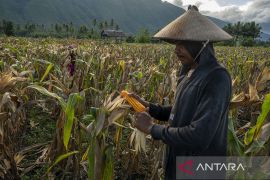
[(130, 15), (264, 37)]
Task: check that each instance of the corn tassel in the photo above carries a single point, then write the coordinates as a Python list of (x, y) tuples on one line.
[(137, 106)]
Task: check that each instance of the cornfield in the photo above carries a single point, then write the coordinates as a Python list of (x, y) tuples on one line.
[(62, 116)]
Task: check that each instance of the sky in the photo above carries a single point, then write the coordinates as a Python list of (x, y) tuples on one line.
[(231, 10)]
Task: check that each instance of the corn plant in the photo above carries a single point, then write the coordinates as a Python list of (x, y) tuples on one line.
[(80, 80)]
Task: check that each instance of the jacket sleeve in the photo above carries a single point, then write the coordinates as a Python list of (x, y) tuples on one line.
[(212, 105), (159, 112)]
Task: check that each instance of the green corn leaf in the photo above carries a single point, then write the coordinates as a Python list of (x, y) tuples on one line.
[(263, 115), (252, 133), (262, 138), (49, 68), (162, 62), (108, 169), (1, 63), (235, 147), (44, 91), (140, 75), (249, 135), (60, 158), (85, 155), (91, 159), (101, 116), (122, 65), (73, 100)]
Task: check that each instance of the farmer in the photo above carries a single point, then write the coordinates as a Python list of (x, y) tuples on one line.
[(198, 119)]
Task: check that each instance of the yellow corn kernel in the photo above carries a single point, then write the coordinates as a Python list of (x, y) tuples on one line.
[(137, 106)]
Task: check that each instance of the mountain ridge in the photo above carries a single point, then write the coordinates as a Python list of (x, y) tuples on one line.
[(131, 15)]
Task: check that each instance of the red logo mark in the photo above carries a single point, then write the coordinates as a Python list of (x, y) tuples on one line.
[(188, 163)]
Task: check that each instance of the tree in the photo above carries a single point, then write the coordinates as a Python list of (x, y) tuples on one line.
[(1, 27), (92, 31), (116, 27), (71, 28), (82, 32), (112, 23), (94, 22), (244, 33), (100, 25), (83, 29), (65, 27), (247, 29), (18, 27), (58, 28), (105, 24), (143, 36), (130, 39), (8, 28)]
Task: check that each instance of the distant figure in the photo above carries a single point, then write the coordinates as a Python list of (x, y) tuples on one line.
[(198, 119)]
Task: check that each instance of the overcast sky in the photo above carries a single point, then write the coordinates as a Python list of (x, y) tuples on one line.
[(231, 10)]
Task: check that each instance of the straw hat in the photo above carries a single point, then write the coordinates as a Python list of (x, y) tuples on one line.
[(192, 26)]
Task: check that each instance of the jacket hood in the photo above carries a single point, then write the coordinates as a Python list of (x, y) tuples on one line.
[(205, 58)]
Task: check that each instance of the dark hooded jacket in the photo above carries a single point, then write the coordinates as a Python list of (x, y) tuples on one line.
[(198, 120)]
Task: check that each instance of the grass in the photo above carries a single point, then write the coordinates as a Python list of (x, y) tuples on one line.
[(40, 129)]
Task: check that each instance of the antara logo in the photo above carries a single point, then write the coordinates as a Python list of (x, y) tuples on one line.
[(220, 167), (187, 163), (209, 167)]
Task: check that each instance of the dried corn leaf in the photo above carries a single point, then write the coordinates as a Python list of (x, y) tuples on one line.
[(90, 127), (264, 133), (173, 80), (243, 129), (7, 164), (264, 76), (18, 158), (115, 103), (23, 73), (85, 155), (138, 139), (115, 115), (262, 79), (239, 100), (239, 97), (6, 80), (235, 82), (3, 116), (253, 94), (6, 99), (100, 121)]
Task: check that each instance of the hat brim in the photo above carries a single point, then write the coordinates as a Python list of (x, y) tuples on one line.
[(192, 26)]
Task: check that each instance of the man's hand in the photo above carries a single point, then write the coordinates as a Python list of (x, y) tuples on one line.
[(143, 122)]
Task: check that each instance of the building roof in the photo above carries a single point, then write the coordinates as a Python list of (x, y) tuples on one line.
[(112, 33)]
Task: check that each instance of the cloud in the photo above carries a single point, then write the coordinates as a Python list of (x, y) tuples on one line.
[(178, 3), (198, 4), (232, 10), (257, 10), (230, 14)]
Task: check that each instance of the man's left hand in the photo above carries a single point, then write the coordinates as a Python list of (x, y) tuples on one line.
[(143, 122)]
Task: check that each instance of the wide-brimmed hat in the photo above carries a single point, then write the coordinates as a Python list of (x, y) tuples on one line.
[(192, 26)]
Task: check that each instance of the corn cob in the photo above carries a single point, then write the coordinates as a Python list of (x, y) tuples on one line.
[(137, 106)]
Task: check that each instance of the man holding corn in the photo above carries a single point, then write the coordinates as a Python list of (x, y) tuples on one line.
[(198, 119)]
